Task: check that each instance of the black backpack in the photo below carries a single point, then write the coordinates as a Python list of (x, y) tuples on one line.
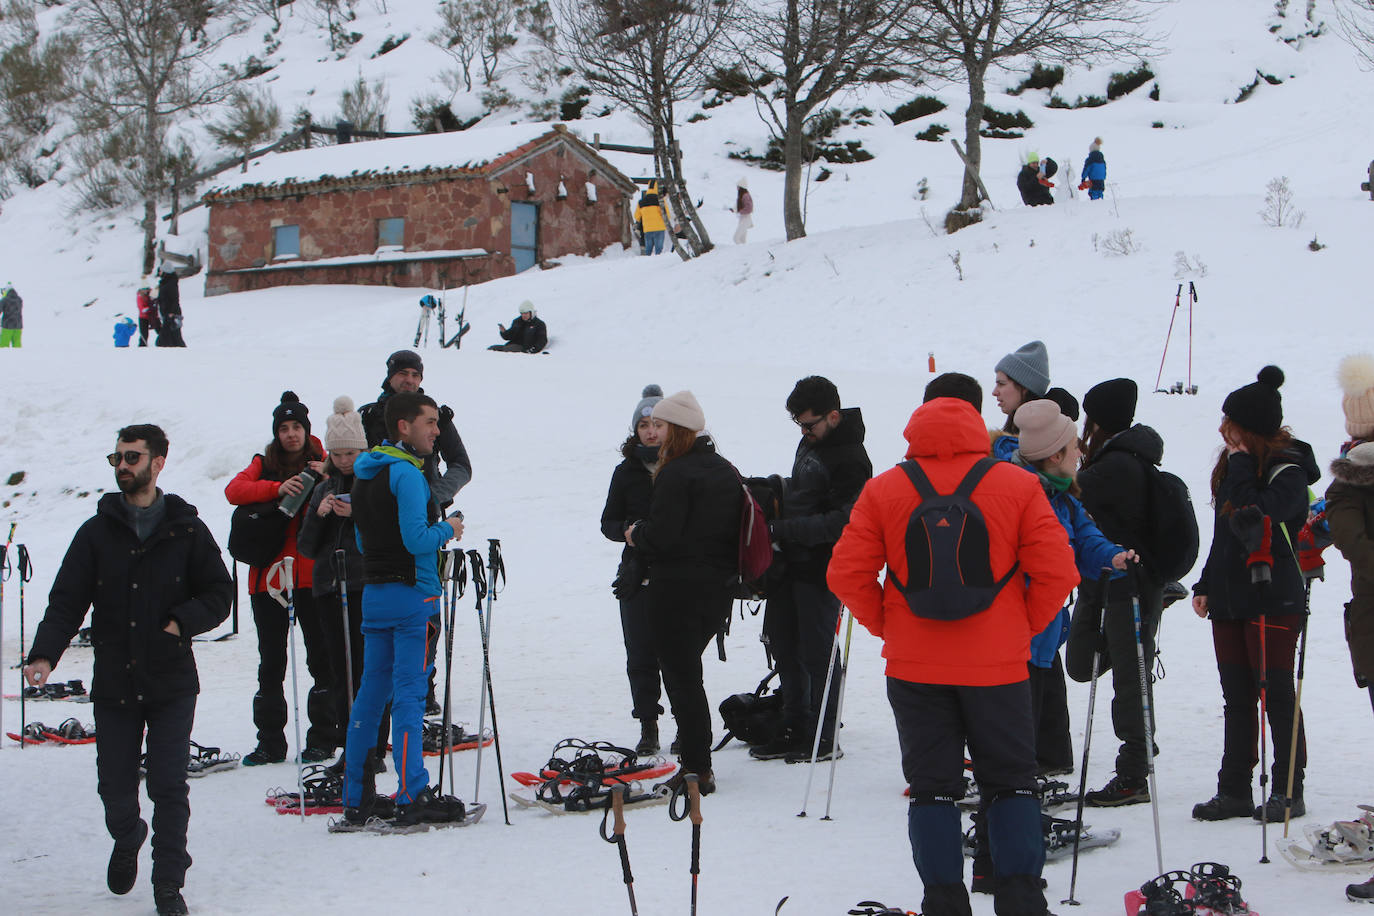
[(949, 569), (1171, 536), (257, 533), (754, 718)]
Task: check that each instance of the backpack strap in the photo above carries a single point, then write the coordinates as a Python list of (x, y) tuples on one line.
[(966, 486), (919, 480), (1278, 469), (975, 477)]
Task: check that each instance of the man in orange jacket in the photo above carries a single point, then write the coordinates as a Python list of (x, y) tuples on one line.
[(961, 682)]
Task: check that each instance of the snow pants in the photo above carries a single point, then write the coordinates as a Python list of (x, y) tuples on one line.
[(799, 622), (1237, 645), (118, 744), (12, 337), (269, 704), (641, 661), (686, 615), (396, 631)]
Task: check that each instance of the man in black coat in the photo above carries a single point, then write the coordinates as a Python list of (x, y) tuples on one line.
[(153, 573), (169, 309), (527, 333), (830, 468)]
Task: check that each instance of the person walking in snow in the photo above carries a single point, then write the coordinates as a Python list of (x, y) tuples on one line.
[(270, 477), (152, 572), (627, 501), (691, 539), (400, 545), (11, 318), (527, 333), (1259, 482), (962, 682), (651, 217), (829, 469), (147, 312), (1116, 492), (1094, 178), (1033, 181), (744, 209), (169, 309)]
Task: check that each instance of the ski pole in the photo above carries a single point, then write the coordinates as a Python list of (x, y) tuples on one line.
[(496, 570), (1264, 752), (284, 591), (1297, 703), (454, 557), (1192, 301), (839, 709), (341, 571), (1178, 296), (694, 812), (5, 574), (820, 718), (235, 608), (25, 574), (618, 838), (479, 590), (1147, 713), (1103, 579)]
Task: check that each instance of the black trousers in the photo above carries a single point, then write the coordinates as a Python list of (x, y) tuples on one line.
[(1237, 646), (686, 614), (641, 661), (269, 704), (1119, 656), (1050, 699), (118, 744), (799, 623)]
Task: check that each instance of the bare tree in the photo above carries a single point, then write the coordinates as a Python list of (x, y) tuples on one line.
[(1356, 21), (481, 30), (143, 67), (963, 39), (649, 55), (800, 54), (252, 118)]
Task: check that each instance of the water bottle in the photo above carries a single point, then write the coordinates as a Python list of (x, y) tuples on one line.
[(292, 504)]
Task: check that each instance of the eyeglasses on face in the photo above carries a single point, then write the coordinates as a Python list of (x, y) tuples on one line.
[(809, 424), (131, 458)]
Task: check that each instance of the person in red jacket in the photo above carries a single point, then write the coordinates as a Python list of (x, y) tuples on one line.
[(961, 682), (273, 475)]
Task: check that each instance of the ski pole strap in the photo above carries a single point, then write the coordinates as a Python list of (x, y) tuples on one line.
[(25, 567), (460, 576), (479, 577), (497, 564), (279, 580)]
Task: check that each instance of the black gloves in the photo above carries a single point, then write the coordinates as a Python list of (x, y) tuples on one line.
[(629, 578)]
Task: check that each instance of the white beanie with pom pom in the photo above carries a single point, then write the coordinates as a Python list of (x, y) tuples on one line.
[(1356, 375), (344, 427)]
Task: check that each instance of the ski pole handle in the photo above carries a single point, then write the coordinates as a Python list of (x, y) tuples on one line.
[(618, 808), (694, 809), (288, 565), (25, 565)]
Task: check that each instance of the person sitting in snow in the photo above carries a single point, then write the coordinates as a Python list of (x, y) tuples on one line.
[(1094, 177), (1034, 180), (527, 334)]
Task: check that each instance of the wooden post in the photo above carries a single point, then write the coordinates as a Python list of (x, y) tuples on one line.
[(969, 168), (176, 201), (1370, 185), (306, 130), (381, 127)]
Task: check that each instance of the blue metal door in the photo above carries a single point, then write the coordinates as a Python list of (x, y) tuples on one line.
[(524, 235)]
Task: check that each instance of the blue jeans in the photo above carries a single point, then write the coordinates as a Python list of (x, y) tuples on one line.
[(653, 241), (396, 625)]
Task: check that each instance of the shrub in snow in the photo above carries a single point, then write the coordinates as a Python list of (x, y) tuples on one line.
[(1120, 243), (1278, 205), (1185, 266)]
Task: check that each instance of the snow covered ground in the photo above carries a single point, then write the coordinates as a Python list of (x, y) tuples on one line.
[(863, 300)]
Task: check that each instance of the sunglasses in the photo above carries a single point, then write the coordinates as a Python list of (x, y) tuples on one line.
[(810, 424), (130, 458)]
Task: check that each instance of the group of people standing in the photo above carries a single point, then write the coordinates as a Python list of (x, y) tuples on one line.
[(160, 313)]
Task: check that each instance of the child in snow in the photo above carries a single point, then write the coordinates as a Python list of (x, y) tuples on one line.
[(1094, 177), (124, 332), (744, 208), (11, 318), (1034, 180), (147, 312)]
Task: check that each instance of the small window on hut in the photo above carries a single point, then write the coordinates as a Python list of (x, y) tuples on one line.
[(286, 242), (391, 232)]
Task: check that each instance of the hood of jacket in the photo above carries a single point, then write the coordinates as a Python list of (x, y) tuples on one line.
[(1139, 440), (370, 463), (943, 428), (851, 430), (1299, 453), (1356, 475)]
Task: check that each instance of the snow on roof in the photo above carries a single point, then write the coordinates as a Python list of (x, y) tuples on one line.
[(467, 149)]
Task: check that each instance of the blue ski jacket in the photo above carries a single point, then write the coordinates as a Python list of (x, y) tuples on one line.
[(382, 537)]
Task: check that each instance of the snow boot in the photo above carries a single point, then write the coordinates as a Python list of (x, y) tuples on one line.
[(1360, 893), (648, 738), (429, 807), (677, 783), (1276, 807), (788, 741), (946, 900), (260, 756), (1120, 790), (1221, 807), (122, 871), (169, 901)]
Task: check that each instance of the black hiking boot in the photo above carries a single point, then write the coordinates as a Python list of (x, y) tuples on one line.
[(1222, 807), (261, 756), (648, 738), (788, 741), (1277, 807), (1360, 893), (1120, 790), (677, 783), (169, 901), (122, 871), (825, 751), (429, 807)]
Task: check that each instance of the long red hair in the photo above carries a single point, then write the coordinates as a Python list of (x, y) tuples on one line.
[(678, 442), (1262, 447)]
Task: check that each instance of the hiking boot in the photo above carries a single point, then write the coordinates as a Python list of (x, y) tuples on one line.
[(260, 756), (826, 751), (1360, 893), (788, 741), (316, 754), (677, 783), (1222, 807), (432, 707), (372, 805), (648, 738), (1277, 807), (122, 871), (1120, 790), (429, 807), (169, 901)]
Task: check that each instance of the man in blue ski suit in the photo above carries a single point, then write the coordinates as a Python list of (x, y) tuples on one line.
[(400, 545)]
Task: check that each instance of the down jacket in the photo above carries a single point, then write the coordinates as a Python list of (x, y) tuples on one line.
[(692, 531), (1350, 512), (255, 485)]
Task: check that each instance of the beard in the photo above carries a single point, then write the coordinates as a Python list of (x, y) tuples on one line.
[(135, 481)]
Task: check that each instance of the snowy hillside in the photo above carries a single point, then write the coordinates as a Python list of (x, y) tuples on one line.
[(862, 300)]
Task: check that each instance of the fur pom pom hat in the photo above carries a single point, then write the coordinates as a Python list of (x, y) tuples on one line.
[(290, 408), (344, 427), (681, 409), (1356, 375), (1258, 406), (649, 397)]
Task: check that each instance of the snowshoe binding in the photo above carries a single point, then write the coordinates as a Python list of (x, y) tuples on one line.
[(1344, 843), (581, 774), (459, 738), (323, 793), (71, 731), (1216, 892), (205, 760), (1060, 833), (33, 733)]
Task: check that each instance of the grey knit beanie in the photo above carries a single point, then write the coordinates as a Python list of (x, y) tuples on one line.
[(650, 396), (681, 409), (1028, 367)]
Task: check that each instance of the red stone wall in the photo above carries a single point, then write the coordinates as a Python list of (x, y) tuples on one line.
[(452, 214)]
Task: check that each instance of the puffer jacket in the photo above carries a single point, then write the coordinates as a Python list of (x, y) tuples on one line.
[(254, 484), (627, 501), (692, 531), (947, 437), (1350, 512), (1116, 494)]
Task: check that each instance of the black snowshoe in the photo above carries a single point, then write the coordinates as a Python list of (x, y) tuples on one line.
[(205, 760)]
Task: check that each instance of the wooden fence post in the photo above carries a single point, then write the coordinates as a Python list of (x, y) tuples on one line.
[(1369, 186)]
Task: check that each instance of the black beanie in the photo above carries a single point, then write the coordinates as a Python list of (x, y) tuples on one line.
[(1258, 406), (290, 408), (1068, 404), (404, 359), (1111, 404)]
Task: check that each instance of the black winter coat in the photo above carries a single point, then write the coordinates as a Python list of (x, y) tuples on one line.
[(1350, 512), (1033, 193), (136, 588), (692, 531), (1116, 495), (627, 501), (318, 538), (1225, 577), (457, 465), (825, 482), (533, 335)]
